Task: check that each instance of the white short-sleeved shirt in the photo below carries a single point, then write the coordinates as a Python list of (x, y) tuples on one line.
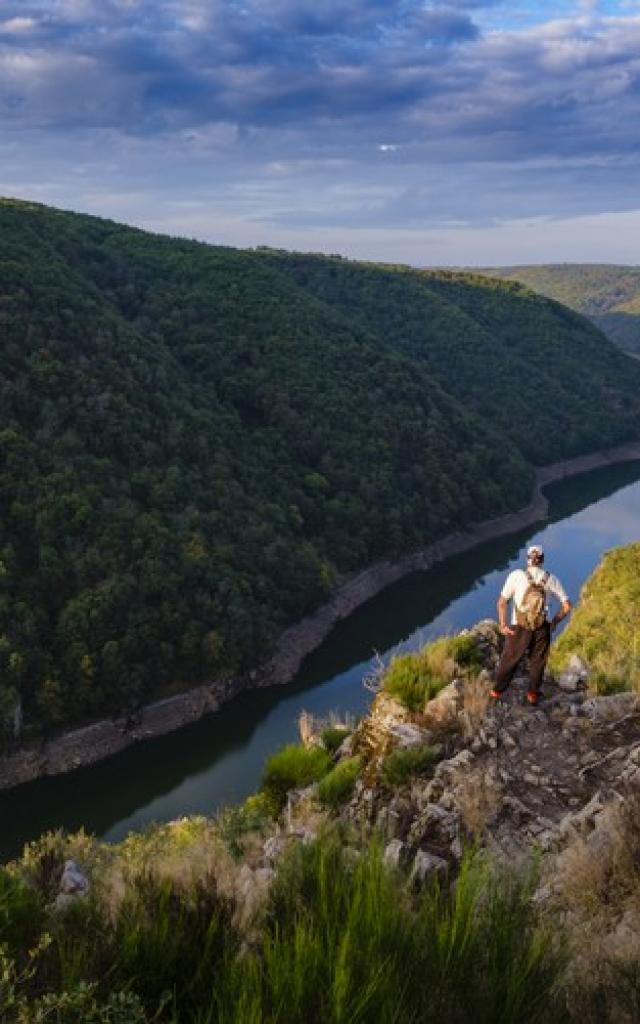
[(516, 585)]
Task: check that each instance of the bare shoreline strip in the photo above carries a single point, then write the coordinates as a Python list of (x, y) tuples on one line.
[(102, 739)]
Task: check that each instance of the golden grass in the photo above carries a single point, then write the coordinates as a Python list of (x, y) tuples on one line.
[(605, 627), (475, 699), (479, 800)]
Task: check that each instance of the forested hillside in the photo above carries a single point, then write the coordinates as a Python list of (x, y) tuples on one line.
[(195, 442), (608, 294)]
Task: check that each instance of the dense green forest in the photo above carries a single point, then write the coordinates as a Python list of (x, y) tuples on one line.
[(606, 293), (196, 442)]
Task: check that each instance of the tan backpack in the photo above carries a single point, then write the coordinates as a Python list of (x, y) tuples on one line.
[(532, 613)]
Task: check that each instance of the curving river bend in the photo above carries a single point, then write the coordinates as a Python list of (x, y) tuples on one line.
[(218, 760)]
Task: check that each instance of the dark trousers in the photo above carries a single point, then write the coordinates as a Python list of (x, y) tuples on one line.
[(535, 643)]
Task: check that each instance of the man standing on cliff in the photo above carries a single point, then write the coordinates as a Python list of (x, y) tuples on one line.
[(530, 630)]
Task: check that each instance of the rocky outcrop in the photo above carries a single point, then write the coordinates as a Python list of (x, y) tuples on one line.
[(74, 885), (510, 776)]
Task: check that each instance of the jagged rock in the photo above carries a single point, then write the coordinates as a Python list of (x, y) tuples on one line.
[(426, 865), (374, 737), (576, 675), (582, 821), (73, 882), (457, 849), (74, 885), (273, 847), (393, 853), (519, 811), (436, 822), (570, 682), (609, 708), (345, 749), (406, 734), (390, 816), (447, 770), (443, 709), (578, 666)]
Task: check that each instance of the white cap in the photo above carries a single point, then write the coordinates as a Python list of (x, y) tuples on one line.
[(535, 551)]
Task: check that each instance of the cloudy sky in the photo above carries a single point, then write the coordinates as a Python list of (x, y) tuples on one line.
[(459, 132)]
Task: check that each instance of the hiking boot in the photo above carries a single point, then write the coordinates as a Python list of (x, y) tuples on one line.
[(533, 699)]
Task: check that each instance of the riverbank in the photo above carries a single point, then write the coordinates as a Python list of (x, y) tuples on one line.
[(102, 739)]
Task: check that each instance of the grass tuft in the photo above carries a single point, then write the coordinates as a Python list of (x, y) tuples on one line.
[(605, 627), (293, 767), (333, 736), (337, 787), (400, 765), (414, 679)]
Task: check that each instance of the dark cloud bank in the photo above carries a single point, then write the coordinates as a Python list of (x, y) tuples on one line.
[(402, 114)]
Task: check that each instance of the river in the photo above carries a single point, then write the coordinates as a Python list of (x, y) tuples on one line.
[(218, 760)]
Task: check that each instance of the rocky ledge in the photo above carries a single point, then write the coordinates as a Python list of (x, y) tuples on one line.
[(513, 778)]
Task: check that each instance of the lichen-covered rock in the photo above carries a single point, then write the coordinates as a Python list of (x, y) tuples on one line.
[(427, 865), (74, 882), (408, 734), (274, 847), (393, 853)]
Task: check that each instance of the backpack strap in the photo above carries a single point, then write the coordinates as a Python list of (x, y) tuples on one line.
[(538, 584)]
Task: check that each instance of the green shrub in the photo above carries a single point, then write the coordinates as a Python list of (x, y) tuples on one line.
[(236, 822), (168, 939), (408, 681), (81, 1006), (342, 939), (293, 767), (400, 765), (22, 912), (336, 787), (465, 652), (414, 679), (333, 736)]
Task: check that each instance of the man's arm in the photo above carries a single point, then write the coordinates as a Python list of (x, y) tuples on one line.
[(565, 608), (502, 616), (555, 587)]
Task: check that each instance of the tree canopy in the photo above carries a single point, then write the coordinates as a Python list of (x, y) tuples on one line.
[(606, 293)]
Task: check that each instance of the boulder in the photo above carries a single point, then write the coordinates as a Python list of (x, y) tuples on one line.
[(406, 735), (74, 885), (571, 682), (73, 882), (427, 865), (273, 847), (393, 852), (578, 667), (612, 707), (442, 711)]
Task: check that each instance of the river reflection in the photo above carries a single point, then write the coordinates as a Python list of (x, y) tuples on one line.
[(218, 761)]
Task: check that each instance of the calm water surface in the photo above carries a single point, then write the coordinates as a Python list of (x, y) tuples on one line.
[(218, 760)]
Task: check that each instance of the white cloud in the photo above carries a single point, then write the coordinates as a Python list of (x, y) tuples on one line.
[(15, 26)]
